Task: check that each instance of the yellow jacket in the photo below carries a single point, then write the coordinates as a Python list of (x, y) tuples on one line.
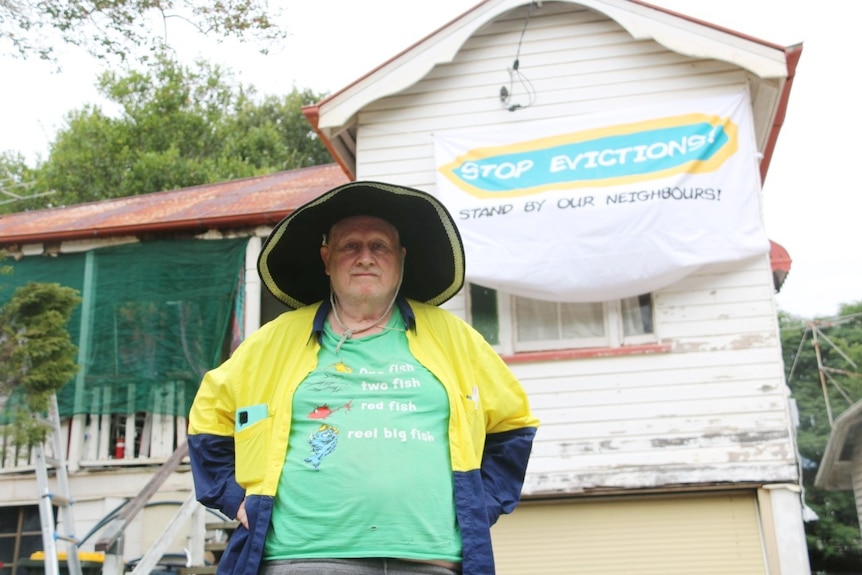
[(491, 427)]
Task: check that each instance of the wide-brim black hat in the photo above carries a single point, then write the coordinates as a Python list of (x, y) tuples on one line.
[(291, 267)]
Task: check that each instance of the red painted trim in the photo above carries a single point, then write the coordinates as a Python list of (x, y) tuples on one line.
[(312, 115), (707, 24), (792, 54), (371, 72), (179, 226), (587, 353)]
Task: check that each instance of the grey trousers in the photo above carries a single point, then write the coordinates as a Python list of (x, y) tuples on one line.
[(373, 566)]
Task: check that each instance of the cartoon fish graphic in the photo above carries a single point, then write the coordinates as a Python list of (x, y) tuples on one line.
[(322, 442), (340, 367), (343, 368), (324, 411)]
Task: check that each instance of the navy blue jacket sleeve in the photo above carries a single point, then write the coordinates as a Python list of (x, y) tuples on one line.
[(504, 464), (212, 460)]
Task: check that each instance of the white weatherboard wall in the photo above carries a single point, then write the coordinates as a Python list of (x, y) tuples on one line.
[(713, 409)]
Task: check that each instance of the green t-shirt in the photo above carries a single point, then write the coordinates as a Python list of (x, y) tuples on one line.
[(368, 472)]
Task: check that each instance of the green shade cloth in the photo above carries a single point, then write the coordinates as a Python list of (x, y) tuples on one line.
[(155, 316)]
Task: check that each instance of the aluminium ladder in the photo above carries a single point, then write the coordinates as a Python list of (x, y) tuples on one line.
[(62, 498)]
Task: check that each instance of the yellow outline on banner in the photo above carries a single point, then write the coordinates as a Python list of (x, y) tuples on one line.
[(690, 167)]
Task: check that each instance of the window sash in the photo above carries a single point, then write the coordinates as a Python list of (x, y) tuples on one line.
[(536, 325), (541, 325), (20, 535)]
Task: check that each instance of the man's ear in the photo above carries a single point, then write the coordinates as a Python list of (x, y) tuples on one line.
[(324, 255)]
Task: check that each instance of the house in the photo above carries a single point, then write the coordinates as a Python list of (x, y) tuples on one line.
[(673, 436), (841, 466), (160, 278), (667, 438)]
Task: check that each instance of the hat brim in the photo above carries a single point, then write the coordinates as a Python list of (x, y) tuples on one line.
[(292, 270)]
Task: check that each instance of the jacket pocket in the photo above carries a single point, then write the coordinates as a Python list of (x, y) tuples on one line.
[(474, 418), (251, 446)]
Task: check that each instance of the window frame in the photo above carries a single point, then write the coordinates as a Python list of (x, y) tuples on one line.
[(19, 537), (614, 338)]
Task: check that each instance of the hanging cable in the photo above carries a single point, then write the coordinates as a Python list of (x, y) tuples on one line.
[(516, 77)]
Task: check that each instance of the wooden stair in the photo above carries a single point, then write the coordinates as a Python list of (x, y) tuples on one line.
[(218, 533)]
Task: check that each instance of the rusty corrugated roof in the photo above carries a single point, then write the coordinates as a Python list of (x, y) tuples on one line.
[(238, 203)]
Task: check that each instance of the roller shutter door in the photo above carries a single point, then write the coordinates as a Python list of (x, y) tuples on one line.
[(683, 535)]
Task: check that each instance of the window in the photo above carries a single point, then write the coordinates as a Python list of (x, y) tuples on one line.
[(519, 324), (20, 535)]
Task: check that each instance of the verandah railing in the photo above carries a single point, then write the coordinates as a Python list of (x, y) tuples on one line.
[(100, 440)]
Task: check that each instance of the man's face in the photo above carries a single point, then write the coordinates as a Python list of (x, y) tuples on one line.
[(363, 259)]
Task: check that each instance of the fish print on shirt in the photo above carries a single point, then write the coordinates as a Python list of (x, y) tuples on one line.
[(324, 411), (322, 442)]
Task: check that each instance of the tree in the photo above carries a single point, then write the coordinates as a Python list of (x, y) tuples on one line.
[(17, 180), (117, 28), (177, 127), (836, 532), (37, 356)]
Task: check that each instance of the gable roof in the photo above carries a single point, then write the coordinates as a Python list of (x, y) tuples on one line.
[(839, 460), (247, 202), (335, 117), (264, 200)]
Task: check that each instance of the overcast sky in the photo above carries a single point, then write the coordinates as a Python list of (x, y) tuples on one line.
[(812, 201)]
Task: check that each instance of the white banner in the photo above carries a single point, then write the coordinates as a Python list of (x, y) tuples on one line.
[(605, 206)]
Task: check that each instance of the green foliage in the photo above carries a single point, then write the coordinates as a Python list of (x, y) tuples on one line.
[(4, 269), (177, 127), (37, 356), (840, 343), (122, 28), (17, 181)]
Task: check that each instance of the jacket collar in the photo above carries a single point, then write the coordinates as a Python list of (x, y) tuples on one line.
[(323, 311)]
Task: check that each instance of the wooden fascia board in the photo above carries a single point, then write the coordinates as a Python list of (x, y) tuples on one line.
[(676, 32), (693, 37), (409, 66), (792, 57)]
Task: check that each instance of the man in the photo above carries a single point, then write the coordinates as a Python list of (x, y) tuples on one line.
[(366, 431)]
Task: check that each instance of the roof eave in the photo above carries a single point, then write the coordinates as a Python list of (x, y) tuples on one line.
[(229, 206), (792, 54), (680, 33), (196, 225)]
